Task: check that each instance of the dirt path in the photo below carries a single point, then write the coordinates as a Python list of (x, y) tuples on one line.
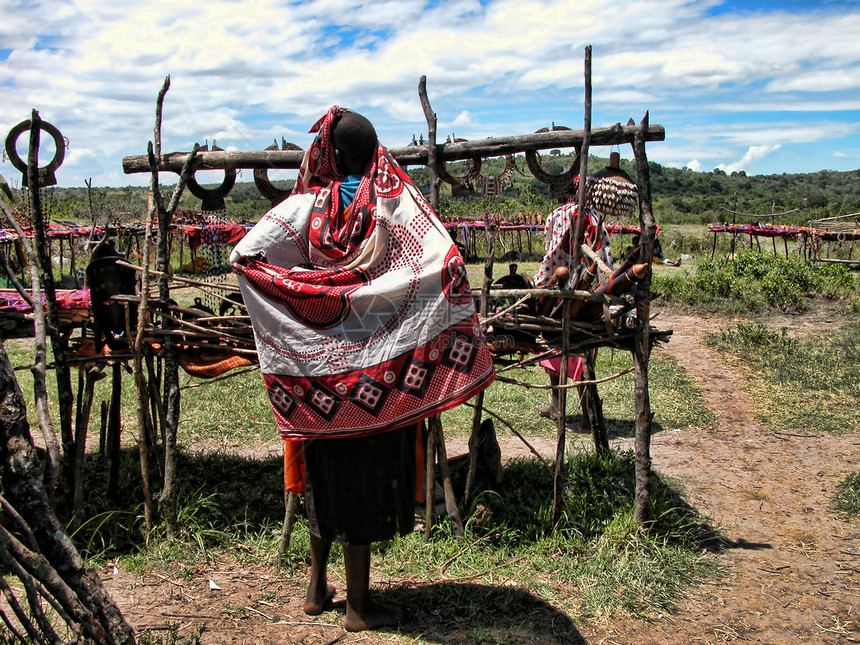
[(792, 574), (794, 570)]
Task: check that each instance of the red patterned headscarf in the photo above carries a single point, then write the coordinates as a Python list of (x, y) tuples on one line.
[(318, 167), (336, 231)]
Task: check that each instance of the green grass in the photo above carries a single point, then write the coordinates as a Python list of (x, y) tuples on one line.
[(847, 497), (807, 384), (676, 400), (754, 281), (596, 561)]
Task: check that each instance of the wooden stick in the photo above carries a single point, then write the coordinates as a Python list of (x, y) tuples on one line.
[(479, 399), (601, 265), (429, 482), (567, 386), (143, 393), (575, 294), (290, 503), (190, 325), (642, 343), (435, 426), (504, 312), (519, 436)]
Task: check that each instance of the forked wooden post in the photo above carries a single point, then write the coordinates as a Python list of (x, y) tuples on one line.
[(432, 170)]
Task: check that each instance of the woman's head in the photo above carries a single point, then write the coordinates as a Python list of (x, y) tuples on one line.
[(355, 141)]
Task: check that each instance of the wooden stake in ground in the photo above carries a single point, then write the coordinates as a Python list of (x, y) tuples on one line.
[(576, 270), (641, 348)]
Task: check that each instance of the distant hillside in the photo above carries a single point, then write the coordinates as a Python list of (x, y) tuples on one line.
[(680, 195)]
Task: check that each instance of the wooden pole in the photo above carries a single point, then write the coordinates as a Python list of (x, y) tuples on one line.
[(290, 503), (432, 169), (406, 156), (576, 270), (82, 420), (641, 346), (479, 398), (592, 407), (114, 428), (561, 427), (435, 425), (429, 482), (579, 230), (59, 343)]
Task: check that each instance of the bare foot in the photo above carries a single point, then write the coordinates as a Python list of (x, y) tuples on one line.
[(548, 411), (315, 602), (375, 615)]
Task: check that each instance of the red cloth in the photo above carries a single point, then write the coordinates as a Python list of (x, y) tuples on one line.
[(574, 367), (213, 234)]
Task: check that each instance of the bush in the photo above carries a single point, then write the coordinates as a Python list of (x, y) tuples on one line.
[(755, 280), (847, 497)]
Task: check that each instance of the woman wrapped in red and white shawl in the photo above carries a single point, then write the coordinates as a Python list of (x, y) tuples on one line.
[(558, 253), (364, 325)]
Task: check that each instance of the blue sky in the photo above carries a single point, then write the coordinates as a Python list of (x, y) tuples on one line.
[(764, 86)]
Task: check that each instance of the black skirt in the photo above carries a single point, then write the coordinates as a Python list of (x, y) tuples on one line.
[(362, 489)]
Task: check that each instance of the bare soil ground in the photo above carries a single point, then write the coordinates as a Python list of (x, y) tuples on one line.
[(792, 572)]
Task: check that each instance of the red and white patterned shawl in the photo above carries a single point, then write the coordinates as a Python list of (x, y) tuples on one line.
[(558, 246), (363, 320)]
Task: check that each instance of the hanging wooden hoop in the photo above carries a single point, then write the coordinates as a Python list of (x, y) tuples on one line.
[(261, 178), (560, 184), (46, 173), (213, 198), (474, 165)]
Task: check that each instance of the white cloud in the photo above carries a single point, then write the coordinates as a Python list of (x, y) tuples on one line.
[(461, 120), (249, 72), (693, 164), (753, 154)]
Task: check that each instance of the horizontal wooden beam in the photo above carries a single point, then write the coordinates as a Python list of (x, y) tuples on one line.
[(408, 156)]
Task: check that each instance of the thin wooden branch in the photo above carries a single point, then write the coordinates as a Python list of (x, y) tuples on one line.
[(159, 110), (290, 502), (567, 386), (518, 435), (231, 288), (20, 614), (221, 335), (429, 480), (766, 216), (579, 228), (471, 472), (575, 294), (141, 387), (504, 312), (29, 567)]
